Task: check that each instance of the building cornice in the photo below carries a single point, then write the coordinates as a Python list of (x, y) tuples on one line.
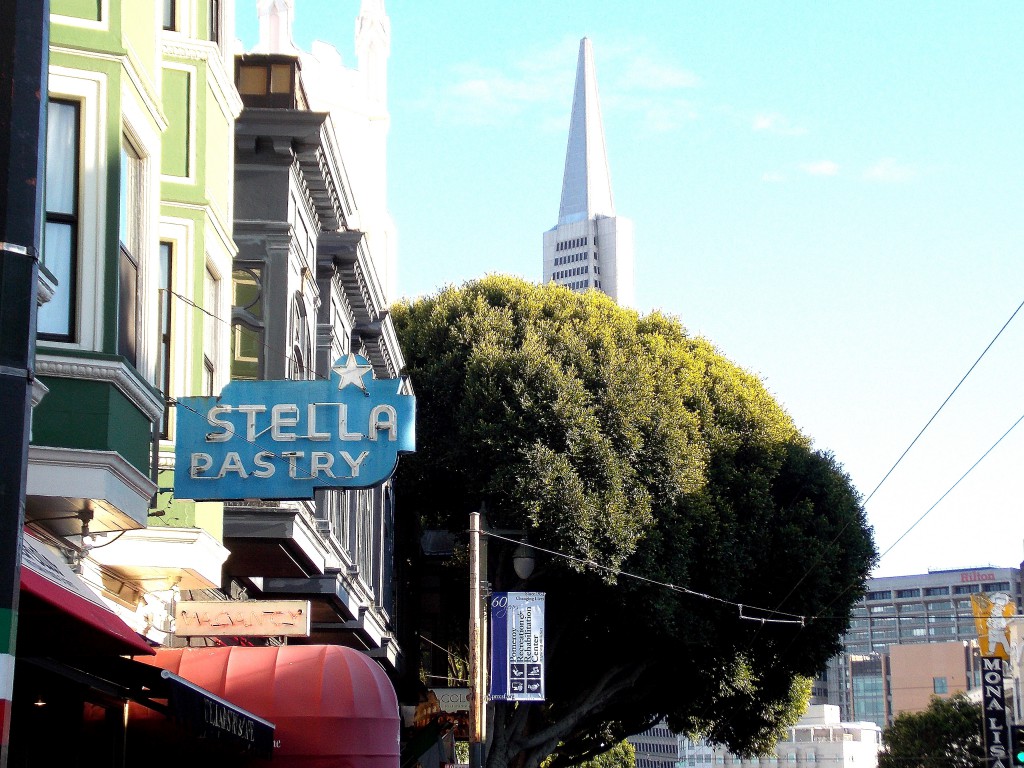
[(358, 279), (221, 81), (118, 492), (113, 371), (305, 138)]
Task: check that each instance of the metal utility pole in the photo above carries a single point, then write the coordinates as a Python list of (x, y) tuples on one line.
[(24, 57), (477, 724)]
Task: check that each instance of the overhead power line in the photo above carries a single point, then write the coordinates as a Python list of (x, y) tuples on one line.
[(817, 561), (770, 616), (954, 485), (943, 405)]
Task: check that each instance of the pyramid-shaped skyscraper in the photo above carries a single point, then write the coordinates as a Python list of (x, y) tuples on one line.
[(590, 247)]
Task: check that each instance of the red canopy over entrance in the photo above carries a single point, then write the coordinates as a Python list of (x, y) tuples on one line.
[(332, 706), (59, 615)]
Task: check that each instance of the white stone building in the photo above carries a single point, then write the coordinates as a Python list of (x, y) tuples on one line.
[(819, 738), (590, 247)]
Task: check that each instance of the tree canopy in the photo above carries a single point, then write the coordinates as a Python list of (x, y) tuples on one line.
[(946, 735), (626, 446), (621, 755)]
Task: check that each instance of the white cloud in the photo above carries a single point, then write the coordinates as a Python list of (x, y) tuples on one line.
[(644, 73), (889, 170), (820, 168), (773, 122), (541, 84), (486, 96), (656, 114)]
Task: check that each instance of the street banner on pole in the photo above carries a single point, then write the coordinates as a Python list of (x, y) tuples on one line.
[(517, 646)]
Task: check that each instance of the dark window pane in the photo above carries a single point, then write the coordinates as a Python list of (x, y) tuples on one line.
[(215, 20), (280, 78), (164, 346), (56, 319), (128, 293), (252, 80), (169, 14)]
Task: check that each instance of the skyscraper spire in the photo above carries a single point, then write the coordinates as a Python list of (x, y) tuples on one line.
[(276, 18), (591, 247), (587, 183)]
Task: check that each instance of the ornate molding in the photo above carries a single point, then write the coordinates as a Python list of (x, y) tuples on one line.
[(114, 372), (220, 79)]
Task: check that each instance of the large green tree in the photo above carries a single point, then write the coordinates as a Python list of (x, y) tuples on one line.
[(946, 735), (621, 441)]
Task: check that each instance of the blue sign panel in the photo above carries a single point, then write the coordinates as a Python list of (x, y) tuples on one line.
[(282, 439), (517, 646)]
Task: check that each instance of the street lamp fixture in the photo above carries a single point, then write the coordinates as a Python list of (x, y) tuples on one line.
[(523, 561)]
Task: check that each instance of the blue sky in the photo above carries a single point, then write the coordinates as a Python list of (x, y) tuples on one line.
[(832, 193)]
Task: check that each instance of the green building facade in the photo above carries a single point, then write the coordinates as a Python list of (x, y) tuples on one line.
[(138, 253)]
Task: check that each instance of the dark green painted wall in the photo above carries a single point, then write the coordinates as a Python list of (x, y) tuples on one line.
[(92, 415)]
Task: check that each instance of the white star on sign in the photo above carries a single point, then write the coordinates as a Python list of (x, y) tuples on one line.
[(352, 373)]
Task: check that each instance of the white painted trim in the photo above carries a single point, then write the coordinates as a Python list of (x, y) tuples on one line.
[(221, 79), (73, 21), (147, 92), (224, 236), (180, 233), (78, 473), (145, 139), (190, 558), (193, 108), (90, 90), (220, 267), (115, 372)]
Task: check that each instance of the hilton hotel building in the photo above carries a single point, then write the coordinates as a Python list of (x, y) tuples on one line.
[(912, 637)]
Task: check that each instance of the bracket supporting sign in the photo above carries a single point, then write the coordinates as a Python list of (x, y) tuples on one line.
[(283, 439)]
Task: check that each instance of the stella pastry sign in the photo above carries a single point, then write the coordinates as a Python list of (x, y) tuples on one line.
[(283, 439)]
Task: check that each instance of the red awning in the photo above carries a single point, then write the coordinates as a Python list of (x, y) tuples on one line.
[(332, 707), (60, 615)]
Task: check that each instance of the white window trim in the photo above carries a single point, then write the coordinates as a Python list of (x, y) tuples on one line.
[(89, 90), (73, 21), (220, 256), (180, 233), (145, 138), (193, 80), (221, 353), (185, 21)]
